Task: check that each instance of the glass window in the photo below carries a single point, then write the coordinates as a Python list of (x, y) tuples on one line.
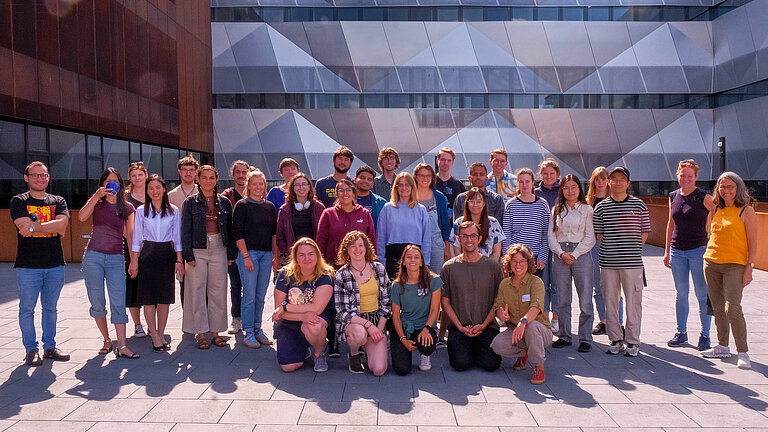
[(473, 101), (299, 14), (623, 101), (295, 101), (36, 141), (397, 14), (448, 14), (595, 13), (68, 155), (374, 101), (648, 101), (498, 101), (549, 101), (448, 101), (94, 157), (273, 14), (116, 155), (274, 101), (647, 13), (170, 157), (599, 101), (497, 14), (349, 101), (152, 156), (573, 14), (547, 13), (373, 14), (12, 154), (348, 14), (623, 14), (523, 101), (522, 14), (421, 14), (323, 14), (135, 149), (325, 101), (399, 101), (472, 14), (573, 101)]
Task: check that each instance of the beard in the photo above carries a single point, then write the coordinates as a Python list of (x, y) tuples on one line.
[(341, 170)]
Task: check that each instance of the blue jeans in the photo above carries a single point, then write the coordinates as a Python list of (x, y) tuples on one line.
[(98, 267), (45, 284), (599, 302), (684, 262), (550, 291), (255, 284), (580, 272)]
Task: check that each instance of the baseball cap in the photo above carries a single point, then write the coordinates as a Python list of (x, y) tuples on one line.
[(620, 169)]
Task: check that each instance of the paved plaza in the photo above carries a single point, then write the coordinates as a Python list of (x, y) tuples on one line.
[(239, 389)]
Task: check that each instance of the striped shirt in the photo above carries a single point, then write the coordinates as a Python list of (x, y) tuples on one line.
[(622, 224), (527, 223)]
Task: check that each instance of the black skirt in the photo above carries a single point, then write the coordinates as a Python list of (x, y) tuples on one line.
[(131, 283), (156, 284)]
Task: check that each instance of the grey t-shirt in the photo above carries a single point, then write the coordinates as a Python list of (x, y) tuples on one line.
[(471, 288)]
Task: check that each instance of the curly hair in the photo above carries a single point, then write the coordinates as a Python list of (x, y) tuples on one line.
[(351, 237), (517, 248), (386, 152)]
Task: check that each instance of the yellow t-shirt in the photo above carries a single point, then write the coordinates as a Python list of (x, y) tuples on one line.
[(369, 295), (728, 238)]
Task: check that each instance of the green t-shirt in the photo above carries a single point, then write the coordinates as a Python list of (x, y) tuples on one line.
[(414, 309), (471, 288)]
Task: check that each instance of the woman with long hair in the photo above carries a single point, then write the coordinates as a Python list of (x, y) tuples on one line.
[(104, 259), (254, 229), (156, 257), (299, 216), (686, 242), (303, 292), (361, 295), (728, 263), (440, 218), (415, 297), (206, 234), (598, 191), (135, 194), (402, 221), (345, 216), (571, 238), (491, 234)]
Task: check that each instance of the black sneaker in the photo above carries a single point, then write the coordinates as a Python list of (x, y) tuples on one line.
[(585, 347), (33, 358), (333, 351), (599, 329), (678, 339), (356, 363), (560, 343), (55, 354)]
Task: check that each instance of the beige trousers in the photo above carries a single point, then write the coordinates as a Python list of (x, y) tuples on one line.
[(207, 278), (536, 339), (612, 281)]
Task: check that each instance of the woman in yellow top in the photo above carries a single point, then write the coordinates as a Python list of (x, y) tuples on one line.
[(361, 295), (728, 263)]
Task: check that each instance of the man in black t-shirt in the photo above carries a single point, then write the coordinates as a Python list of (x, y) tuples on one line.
[(41, 219), (446, 183)]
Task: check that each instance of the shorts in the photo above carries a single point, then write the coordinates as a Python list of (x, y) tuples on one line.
[(291, 343)]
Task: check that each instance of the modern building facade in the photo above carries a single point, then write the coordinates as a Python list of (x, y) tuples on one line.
[(642, 83)]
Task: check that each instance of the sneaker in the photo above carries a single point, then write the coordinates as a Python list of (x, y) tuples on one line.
[(599, 329), (33, 358), (250, 341), (236, 326), (441, 343), (425, 364), (321, 362), (678, 339), (55, 354), (333, 352), (704, 343), (139, 332), (718, 351), (623, 333), (744, 362), (355, 363), (521, 362), (585, 347), (632, 350), (615, 348), (555, 326), (538, 375), (560, 343), (262, 338)]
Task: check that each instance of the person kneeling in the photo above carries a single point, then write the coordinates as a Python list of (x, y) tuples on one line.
[(518, 304), (303, 292)]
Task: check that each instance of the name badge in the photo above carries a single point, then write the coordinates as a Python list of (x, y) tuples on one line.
[(526, 297)]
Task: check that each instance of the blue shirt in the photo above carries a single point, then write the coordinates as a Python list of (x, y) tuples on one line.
[(402, 224), (325, 188), (277, 197)]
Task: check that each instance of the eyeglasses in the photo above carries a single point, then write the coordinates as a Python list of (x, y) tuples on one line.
[(401, 185), (343, 191), (300, 185), (469, 236), (571, 188), (424, 176), (725, 187), (38, 176), (519, 262), (478, 201), (688, 162), (188, 169)]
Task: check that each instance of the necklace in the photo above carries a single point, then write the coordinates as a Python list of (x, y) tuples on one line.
[(360, 271), (186, 195)]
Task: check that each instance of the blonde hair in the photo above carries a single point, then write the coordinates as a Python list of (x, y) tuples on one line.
[(255, 174), (600, 171), (293, 270), (412, 200)]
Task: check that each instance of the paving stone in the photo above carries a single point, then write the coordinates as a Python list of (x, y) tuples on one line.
[(37, 409), (263, 412), (121, 410), (213, 427), (570, 415), (437, 413), (573, 393), (185, 389), (309, 392), (647, 415), (660, 393), (458, 393), (339, 413), (134, 427), (36, 426), (187, 411), (723, 415), (389, 392), (238, 390), (493, 414)]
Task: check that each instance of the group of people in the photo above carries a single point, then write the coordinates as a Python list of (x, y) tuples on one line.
[(388, 263)]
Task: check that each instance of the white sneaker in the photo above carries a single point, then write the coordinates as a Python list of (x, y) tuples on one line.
[(718, 351), (615, 348), (138, 331), (425, 364), (554, 325), (632, 350), (744, 362), (236, 326)]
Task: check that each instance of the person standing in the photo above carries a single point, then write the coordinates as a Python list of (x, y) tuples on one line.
[(415, 297), (500, 180), (361, 295), (325, 188), (491, 234), (549, 172), (41, 219), (254, 231), (622, 225), (571, 238), (686, 242), (478, 174), (402, 221), (437, 209), (239, 171), (103, 259), (389, 162), (729, 262), (288, 168), (187, 167), (526, 221), (298, 217), (446, 183), (206, 236), (156, 257), (470, 285), (135, 194), (369, 200)]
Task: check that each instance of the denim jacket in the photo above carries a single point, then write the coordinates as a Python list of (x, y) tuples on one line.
[(193, 232)]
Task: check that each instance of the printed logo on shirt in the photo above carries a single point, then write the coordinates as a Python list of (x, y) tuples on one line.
[(44, 214), (331, 193), (448, 190), (359, 221)]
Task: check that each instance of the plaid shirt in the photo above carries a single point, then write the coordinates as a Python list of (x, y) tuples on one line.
[(347, 296)]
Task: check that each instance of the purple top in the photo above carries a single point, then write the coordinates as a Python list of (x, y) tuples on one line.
[(107, 234), (690, 216)]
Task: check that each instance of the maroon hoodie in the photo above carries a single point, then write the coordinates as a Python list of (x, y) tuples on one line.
[(285, 236), (335, 223)]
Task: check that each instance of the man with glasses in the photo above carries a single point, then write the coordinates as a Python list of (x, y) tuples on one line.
[(470, 284), (187, 167), (325, 188), (41, 219), (388, 161), (239, 172)]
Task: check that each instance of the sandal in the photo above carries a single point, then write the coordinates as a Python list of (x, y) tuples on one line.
[(202, 343), (118, 354), (106, 348), (218, 341)]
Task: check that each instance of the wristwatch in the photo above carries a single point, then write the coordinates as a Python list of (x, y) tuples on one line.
[(284, 304), (31, 229), (748, 264), (523, 320)]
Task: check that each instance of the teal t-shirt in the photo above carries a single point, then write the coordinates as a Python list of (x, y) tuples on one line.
[(414, 309)]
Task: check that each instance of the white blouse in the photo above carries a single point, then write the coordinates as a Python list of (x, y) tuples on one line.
[(575, 227), (156, 228)]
